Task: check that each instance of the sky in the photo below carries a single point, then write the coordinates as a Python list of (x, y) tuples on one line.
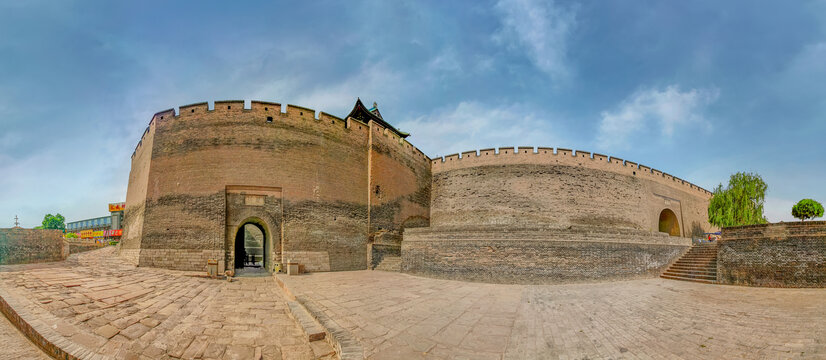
[(698, 89)]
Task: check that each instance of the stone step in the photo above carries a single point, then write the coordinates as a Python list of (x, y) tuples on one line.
[(705, 281), (390, 263), (697, 274), (695, 263), (689, 267), (698, 264)]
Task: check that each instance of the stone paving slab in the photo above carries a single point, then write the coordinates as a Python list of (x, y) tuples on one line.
[(100, 306), (398, 316)]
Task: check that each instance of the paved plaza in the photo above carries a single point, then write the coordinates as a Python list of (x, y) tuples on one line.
[(402, 316), (97, 302)]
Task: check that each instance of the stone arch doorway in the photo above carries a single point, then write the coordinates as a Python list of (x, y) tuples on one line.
[(250, 242), (252, 250), (669, 223)]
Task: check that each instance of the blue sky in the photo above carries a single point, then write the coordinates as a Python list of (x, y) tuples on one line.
[(698, 89)]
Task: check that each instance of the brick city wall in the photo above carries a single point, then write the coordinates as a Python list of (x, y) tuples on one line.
[(177, 199), (23, 246), (400, 182), (526, 186), (774, 255), (133, 215), (538, 256)]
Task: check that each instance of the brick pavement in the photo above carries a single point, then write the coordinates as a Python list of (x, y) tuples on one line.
[(14, 345), (401, 316), (99, 303)]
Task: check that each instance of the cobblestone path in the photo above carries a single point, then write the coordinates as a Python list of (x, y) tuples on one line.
[(398, 316), (97, 301)]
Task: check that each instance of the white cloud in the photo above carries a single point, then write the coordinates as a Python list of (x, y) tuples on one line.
[(542, 29), (474, 125), (668, 109)]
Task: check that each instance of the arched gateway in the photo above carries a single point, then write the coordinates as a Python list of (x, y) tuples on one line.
[(253, 220), (669, 223)]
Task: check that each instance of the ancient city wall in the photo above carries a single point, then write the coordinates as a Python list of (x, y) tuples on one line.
[(320, 167), (400, 182), (136, 195), (530, 215), (539, 186), (773, 255), (23, 246)]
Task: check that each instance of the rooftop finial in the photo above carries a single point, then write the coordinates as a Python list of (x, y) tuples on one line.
[(375, 106)]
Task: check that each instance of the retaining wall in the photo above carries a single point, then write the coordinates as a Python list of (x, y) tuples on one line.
[(773, 255), (543, 255), (23, 246)]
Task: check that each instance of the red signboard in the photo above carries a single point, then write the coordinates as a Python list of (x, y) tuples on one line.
[(117, 207), (117, 232)]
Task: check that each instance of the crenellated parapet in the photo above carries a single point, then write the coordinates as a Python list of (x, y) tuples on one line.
[(562, 156), (270, 112)]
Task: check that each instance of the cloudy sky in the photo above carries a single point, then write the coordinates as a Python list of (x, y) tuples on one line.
[(698, 89)]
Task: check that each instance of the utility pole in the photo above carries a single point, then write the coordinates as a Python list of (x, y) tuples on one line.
[(16, 223)]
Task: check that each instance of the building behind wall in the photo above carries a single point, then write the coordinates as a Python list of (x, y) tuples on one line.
[(102, 229)]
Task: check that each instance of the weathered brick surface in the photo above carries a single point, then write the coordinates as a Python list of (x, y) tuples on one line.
[(534, 216), (187, 162), (538, 255), (529, 189), (774, 255), (23, 246)]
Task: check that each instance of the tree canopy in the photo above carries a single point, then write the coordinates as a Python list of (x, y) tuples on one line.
[(741, 203), (54, 222), (807, 209)]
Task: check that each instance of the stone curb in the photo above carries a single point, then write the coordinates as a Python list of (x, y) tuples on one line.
[(346, 345), (52, 343), (308, 324)]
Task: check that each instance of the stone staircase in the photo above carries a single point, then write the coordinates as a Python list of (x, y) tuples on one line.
[(390, 263), (699, 264)]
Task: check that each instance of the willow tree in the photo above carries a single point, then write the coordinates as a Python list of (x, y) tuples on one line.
[(741, 203)]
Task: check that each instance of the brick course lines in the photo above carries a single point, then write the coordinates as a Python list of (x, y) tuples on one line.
[(774, 255)]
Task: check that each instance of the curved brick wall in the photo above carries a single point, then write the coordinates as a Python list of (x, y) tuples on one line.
[(527, 186), (773, 255), (305, 178), (530, 215)]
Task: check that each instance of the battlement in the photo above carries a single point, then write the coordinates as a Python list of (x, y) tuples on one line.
[(277, 110), (562, 156), (403, 143)]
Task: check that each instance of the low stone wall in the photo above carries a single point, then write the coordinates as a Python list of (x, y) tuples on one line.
[(178, 259), (23, 246), (78, 246), (538, 255), (774, 255)]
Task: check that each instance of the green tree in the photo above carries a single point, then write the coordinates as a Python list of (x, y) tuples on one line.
[(54, 222), (741, 203), (807, 209)]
